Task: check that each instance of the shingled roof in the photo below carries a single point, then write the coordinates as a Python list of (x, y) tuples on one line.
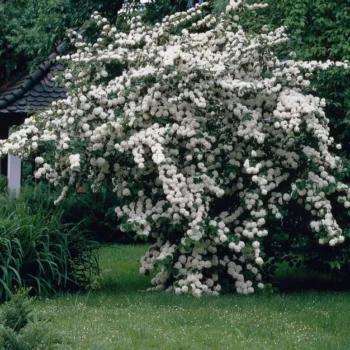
[(32, 91)]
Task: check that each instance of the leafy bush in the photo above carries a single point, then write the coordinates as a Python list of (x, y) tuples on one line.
[(20, 328), (37, 250), (94, 213), (294, 243), (210, 140), (91, 211)]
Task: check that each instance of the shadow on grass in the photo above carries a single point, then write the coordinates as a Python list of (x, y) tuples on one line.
[(133, 284), (289, 280), (120, 264)]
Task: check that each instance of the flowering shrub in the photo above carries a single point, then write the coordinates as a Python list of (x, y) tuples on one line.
[(318, 30), (205, 134)]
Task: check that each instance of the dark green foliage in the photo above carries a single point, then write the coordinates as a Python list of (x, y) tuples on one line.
[(37, 250), (31, 29), (20, 328), (292, 241), (157, 10), (320, 29), (94, 212), (334, 85), (3, 184)]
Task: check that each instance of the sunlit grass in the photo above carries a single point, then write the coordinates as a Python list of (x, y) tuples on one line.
[(120, 315)]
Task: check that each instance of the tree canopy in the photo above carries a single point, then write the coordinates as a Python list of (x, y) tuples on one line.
[(31, 29)]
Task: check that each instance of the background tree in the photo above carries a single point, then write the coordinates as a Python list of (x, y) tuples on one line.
[(31, 29)]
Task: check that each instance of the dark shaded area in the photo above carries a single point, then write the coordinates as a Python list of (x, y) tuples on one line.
[(289, 280)]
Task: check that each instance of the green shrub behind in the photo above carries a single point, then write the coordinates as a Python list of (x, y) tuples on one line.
[(92, 211), (96, 215)]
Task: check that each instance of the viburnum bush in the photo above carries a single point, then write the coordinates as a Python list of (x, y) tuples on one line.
[(206, 135)]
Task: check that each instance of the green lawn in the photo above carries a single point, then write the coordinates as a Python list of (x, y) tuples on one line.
[(120, 315)]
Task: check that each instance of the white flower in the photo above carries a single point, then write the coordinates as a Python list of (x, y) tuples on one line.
[(184, 289), (98, 110), (259, 261), (256, 244), (126, 192), (333, 242), (39, 160)]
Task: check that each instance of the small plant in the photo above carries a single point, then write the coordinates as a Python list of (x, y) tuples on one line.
[(20, 327), (15, 313)]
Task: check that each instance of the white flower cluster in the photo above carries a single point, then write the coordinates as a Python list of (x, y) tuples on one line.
[(206, 136), (74, 161)]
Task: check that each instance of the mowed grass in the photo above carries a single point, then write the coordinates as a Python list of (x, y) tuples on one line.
[(121, 315)]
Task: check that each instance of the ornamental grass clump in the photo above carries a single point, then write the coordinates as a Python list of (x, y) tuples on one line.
[(206, 135), (38, 251)]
